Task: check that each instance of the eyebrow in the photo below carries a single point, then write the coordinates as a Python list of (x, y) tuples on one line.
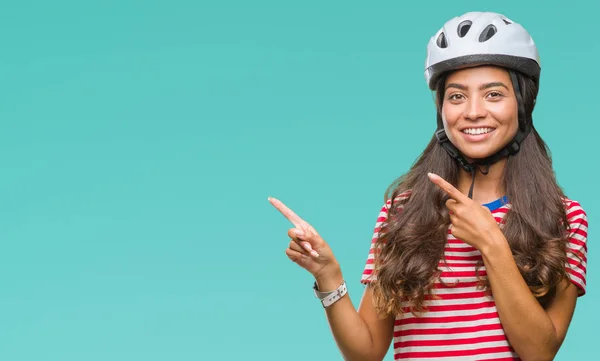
[(484, 86)]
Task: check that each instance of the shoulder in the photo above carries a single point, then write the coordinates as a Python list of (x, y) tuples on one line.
[(572, 205), (398, 202), (577, 226), (576, 214)]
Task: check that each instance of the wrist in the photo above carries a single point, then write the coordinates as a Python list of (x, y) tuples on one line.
[(328, 298), (497, 244), (329, 280)]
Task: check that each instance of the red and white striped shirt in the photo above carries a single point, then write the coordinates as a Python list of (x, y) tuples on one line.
[(462, 322)]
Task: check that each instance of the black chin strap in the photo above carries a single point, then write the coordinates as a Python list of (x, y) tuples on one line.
[(511, 148), (473, 173)]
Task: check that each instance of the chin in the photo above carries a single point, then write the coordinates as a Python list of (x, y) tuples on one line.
[(473, 153)]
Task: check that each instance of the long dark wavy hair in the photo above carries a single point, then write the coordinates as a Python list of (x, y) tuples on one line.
[(411, 241)]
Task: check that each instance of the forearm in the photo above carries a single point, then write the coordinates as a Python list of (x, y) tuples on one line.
[(349, 330), (528, 328)]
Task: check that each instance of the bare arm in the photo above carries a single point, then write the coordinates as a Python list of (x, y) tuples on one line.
[(362, 335), (534, 333)]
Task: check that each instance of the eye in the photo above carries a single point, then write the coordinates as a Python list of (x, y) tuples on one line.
[(495, 94), (455, 96)]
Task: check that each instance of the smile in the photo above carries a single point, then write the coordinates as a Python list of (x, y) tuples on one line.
[(476, 131)]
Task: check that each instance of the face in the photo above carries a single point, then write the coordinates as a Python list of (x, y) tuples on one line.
[(479, 110)]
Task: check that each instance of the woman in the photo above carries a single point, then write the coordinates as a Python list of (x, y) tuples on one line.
[(477, 254)]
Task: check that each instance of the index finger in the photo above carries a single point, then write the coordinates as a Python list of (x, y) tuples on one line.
[(287, 213), (448, 188)]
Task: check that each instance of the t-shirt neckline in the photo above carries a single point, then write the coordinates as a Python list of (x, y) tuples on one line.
[(492, 206)]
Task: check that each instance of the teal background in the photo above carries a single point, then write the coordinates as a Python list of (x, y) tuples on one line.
[(139, 142)]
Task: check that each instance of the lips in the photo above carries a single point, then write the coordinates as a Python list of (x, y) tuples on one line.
[(478, 130), (475, 135)]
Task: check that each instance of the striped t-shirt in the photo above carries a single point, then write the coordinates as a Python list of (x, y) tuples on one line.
[(462, 323)]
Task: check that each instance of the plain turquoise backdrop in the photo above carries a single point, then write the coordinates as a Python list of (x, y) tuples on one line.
[(139, 141)]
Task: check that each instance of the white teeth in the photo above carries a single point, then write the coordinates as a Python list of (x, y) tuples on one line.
[(476, 131)]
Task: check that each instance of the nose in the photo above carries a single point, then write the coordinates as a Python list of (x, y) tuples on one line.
[(475, 109)]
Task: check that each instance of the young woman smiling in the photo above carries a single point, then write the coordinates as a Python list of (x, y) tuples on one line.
[(477, 254)]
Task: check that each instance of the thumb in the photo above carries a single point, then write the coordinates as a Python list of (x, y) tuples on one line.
[(309, 241), (308, 236)]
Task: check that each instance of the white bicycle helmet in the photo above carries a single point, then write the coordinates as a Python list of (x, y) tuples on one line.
[(478, 38)]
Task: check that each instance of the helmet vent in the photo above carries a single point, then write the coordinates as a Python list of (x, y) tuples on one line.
[(487, 33), (441, 41), (506, 22), (463, 28)]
